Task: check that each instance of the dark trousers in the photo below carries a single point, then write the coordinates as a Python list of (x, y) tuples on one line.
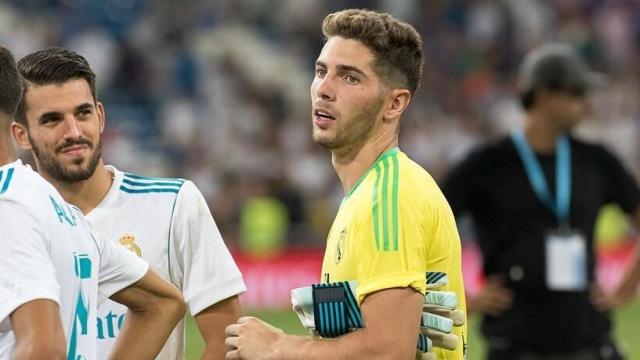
[(607, 351)]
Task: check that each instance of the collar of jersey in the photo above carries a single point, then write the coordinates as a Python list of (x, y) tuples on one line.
[(385, 154), (16, 163), (111, 195)]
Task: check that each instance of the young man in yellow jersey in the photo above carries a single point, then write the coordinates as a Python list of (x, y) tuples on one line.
[(394, 224)]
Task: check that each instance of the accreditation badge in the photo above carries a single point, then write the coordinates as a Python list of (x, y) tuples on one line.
[(566, 257)]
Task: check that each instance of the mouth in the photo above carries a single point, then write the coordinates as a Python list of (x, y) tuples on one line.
[(323, 114), (74, 150), (322, 118)]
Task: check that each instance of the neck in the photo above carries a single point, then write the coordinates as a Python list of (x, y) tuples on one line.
[(7, 154), (541, 133), (85, 194), (352, 163)]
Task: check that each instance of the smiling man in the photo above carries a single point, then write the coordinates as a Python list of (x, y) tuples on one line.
[(393, 223), (165, 221), (54, 269)]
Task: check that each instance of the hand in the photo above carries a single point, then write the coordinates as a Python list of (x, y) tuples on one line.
[(252, 338), (494, 298), (605, 302)]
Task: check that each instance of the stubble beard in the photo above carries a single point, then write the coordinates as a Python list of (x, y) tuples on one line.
[(49, 165), (354, 132)]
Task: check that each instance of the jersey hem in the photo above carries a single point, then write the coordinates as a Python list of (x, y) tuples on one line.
[(135, 272), (214, 293), (411, 279), (24, 295)]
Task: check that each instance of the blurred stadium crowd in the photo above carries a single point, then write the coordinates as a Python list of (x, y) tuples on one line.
[(218, 91)]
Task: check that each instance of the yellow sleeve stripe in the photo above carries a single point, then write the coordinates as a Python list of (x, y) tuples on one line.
[(376, 232), (396, 174), (385, 204)]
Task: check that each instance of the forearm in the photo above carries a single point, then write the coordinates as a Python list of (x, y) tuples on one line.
[(33, 349), (388, 334), (354, 346), (38, 331), (392, 325), (213, 352), (150, 326), (212, 321)]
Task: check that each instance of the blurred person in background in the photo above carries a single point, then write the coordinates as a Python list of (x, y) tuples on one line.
[(394, 224), (54, 269), (534, 197), (165, 221)]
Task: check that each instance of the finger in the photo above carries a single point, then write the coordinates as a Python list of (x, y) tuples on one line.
[(246, 319), (233, 329), (497, 306), (493, 312), (440, 339), (232, 355), (456, 315), (500, 297), (232, 342), (492, 307), (499, 302), (425, 356), (495, 280), (499, 289)]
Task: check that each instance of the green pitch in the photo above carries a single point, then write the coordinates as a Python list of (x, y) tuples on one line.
[(627, 328)]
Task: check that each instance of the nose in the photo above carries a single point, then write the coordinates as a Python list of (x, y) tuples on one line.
[(323, 88), (72, 128)]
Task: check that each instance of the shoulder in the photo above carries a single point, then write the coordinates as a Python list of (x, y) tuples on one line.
[(590, 148), (143, 185), (483, 162), (492, 151), (22, 185), (414, 180), (594, 153), (6, 178), (419, 191)]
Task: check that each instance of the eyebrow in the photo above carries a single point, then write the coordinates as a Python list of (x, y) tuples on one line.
[(342, 67), (54, 114)]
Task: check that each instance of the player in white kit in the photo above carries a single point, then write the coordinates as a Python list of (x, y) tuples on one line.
[(54, 270), (165, 221)]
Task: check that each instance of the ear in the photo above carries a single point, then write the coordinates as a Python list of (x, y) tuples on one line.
[(398, 101), (21, 135), (101, 115)]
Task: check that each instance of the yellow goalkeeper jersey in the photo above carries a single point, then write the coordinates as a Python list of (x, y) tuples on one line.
[(393, 227)]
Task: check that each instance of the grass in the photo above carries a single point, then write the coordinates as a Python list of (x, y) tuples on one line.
[(627, 328)]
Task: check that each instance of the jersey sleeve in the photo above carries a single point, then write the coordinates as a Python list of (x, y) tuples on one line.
[(621, 188), (119, 267), (201, 262), (393, 254), (26, 270)]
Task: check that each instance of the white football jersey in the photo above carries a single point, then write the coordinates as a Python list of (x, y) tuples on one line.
[(168, 223), (48, 251)]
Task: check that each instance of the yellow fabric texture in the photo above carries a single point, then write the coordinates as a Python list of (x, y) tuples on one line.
[(393, 227)]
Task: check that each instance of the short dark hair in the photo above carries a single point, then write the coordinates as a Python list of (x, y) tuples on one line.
[(53, 65), (10, 83), (555, 67), (396, 45)]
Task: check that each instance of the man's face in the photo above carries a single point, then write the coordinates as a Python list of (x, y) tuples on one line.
[(567, 108), (346, 95), (65, 125)]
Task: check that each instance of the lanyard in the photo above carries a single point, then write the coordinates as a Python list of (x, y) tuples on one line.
[(560, 206)]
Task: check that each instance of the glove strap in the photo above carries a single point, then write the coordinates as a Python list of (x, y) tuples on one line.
[(335, 310)]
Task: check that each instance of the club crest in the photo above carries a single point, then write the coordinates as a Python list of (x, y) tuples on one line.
[(129, 242)]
